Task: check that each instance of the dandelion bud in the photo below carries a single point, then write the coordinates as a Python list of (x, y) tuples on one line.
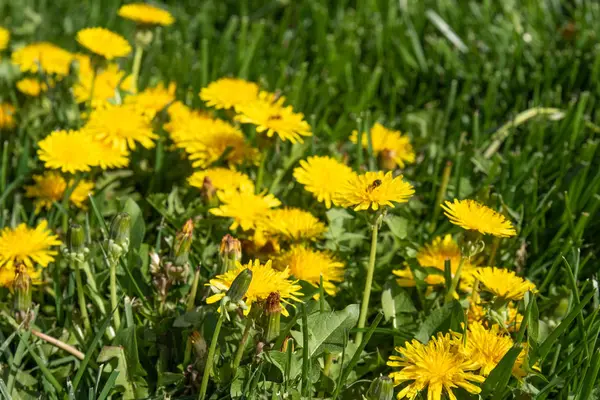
[(286, 344), (199, 346), (120, 230), (143, 37), (22, 288), (273, 315), (381, 388), (230, 253), (76, 239), (208, 191), (387, 159), (239, 286), (183, 242)]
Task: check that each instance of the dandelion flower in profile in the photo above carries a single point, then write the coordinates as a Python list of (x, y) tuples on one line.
[(471, 215), (106, 84), (121, 127), (8, 275), (50, 187), (154, 99), (145, 14), (324, 177), (27, 245), (292, 224), (486, 347), (388, 143), (503, 283), (374, 190), (228, 93), (310, 265), (245, 207), (4, 38), (69, 151), (437, 366), (7, 112), (50, 58), (221, 179), (31, 87), (103, 42), (271, 117), (265, 280)]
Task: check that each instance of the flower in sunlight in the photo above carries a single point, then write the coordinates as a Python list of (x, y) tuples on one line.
[(324, 177), (104, 42), (471, 215), (244, 206), (29, 246), (226, 93), (374, 190), (387, 143), (146, 14), (50, 188)]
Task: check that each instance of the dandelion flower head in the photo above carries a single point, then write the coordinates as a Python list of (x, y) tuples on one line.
[(244, 206), (145, 14), (4, 38), (503, 283), (31, 87), (471, 215), (393, 143), (271, 117), (226, 93), (27, 245), (310, 265), (7, 112), (374, 190), (265, 280), (153, 99), (106, 84), (292, 224), (104, 42), (69, 151), (50, 187), (324, 177), (437, 366), (47, 56), (221, 179)]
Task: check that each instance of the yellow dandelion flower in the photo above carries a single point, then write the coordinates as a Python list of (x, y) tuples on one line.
[(108, 156), (121, 127), (8, 275), (221, 179), (512, 319), (471, 215), (7, 113), (69, 151), (437, 366), (503, 283), (245, 207), (388, 143), (154, 99), (50, 187), (374, 190), (486, 347), (31, 87), (47, 56), (309, 265), (4, 38), (228, 93), (206, 140), (145, 14), (292, 224), (103, 42), (180, 116), (324, 177), (27, 245), (272, 117), (106, 85), (265, 280)]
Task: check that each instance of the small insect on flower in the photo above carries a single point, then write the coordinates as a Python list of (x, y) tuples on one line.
[(374, 190), (103, 42), (471, 215)]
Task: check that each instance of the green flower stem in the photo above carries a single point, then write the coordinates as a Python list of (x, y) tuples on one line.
[(92, 87), (137, 64), (189, 307), (455, 280), (211, 354), (114, 303), (242, 346), (81, 298), (364, 307)]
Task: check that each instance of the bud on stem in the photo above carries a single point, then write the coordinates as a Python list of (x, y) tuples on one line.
[(120, 231), (183, 242), (239, 286), (230, 253), (273, 315), (22, 288), (382, 388)]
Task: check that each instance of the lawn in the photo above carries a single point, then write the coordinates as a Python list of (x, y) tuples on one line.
[(299, 199)]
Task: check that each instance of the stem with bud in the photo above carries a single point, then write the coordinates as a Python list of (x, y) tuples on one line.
[(211, 353)]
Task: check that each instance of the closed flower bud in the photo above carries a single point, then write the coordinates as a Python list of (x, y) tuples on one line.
[(22, 288), (199, 346), (239, 286), (273, 316), (183, 242), (120, 230), (208, 192), (76, 239), (230, 253), (381, 388)]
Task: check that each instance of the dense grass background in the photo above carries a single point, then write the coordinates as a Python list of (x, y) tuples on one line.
[(504, 92)]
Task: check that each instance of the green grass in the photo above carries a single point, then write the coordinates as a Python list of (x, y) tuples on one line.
[(504, 92)]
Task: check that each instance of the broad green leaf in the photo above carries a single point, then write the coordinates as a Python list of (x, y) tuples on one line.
[(280, 360), (395, 300), (434, 322), (398, 226), (115, 360)]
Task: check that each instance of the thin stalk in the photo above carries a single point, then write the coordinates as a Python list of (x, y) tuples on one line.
[(455, 280), (114, 302), (242, 346), (137, 64), (261, 173), (364, 307), (81, 298), (93, 85), (192, 296), (441, 194), (61, 345), (211, 355)]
